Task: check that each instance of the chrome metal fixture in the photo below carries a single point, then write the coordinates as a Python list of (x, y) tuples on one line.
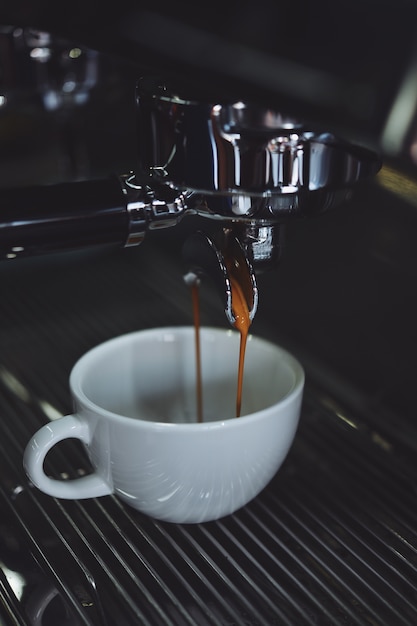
[(248, 167)]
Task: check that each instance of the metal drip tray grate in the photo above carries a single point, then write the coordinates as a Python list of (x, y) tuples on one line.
[(332, 540)]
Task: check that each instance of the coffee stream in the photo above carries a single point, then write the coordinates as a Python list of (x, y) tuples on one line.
[(242, 322), (196, 312)]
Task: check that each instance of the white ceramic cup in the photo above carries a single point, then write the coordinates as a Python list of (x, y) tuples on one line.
[(135, 411)]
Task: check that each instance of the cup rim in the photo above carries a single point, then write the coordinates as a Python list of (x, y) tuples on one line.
[(82, 398)]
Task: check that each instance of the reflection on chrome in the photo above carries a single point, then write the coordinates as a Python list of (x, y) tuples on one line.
[(15, 580)]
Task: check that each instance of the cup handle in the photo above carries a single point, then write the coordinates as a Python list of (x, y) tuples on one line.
[(69, 426)]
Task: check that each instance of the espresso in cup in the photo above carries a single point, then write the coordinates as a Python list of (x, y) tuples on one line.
[(135, 410)]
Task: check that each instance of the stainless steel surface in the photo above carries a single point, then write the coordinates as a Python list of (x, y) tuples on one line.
[(247, 161), (241, 149)]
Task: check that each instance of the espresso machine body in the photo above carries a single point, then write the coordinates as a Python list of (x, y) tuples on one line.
[(145, 123)]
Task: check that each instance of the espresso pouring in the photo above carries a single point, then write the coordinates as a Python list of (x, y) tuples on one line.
[(242, 324)]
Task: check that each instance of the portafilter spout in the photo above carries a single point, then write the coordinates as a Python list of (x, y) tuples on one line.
[(222, 259)]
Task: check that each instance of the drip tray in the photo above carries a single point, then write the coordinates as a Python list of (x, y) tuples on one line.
[(331, 540)]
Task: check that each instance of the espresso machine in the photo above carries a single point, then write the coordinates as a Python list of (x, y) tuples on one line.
[(140, 145)]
